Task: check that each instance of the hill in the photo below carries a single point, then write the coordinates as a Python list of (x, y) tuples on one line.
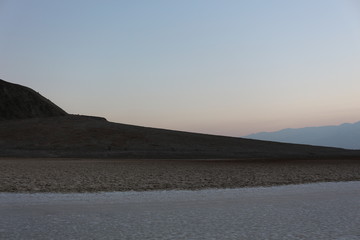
[(19, 102), (346, 136), (35, 127), (82, 136)]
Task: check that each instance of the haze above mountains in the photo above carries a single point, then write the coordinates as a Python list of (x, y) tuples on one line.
[(33, 126), (346, 136)]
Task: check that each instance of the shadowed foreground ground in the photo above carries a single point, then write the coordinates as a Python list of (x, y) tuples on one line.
[(80, 175)]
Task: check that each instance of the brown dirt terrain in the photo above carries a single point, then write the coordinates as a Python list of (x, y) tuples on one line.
[(93, 175)]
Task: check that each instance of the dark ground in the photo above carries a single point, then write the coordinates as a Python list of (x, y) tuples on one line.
[(92, 175), (94, 137)]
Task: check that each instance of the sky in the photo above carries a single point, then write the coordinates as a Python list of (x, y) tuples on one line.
[(227, 67)]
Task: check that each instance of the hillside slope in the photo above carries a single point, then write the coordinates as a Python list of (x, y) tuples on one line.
[(346, 136), (19, 102), (33, 126), (81, 136)]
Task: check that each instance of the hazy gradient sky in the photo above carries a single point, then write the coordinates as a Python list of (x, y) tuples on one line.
[(222, 67)]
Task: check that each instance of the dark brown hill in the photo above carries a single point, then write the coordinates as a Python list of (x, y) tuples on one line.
[(36, 127), (19, 102), (81, 136)]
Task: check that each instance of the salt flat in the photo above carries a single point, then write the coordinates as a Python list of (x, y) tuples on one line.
[(310, 211)]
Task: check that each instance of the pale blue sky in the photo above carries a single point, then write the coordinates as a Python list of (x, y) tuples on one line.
[(221, 67)]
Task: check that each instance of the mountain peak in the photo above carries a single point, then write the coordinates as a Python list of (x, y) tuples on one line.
[(19, 102)]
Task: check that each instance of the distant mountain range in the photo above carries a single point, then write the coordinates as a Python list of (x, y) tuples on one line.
[(346, 136)]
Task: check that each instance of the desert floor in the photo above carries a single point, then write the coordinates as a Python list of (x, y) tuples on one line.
[(320, 211), (94, 175)]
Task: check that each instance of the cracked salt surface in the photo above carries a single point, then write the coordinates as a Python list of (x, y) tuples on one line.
[(310, 211)]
